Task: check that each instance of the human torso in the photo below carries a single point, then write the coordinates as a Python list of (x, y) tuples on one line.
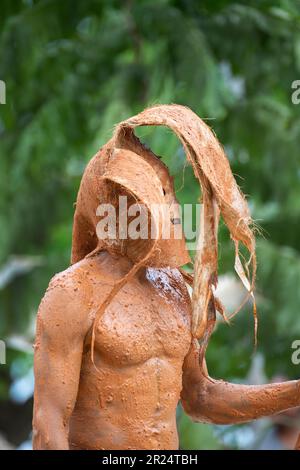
[(127, 399)]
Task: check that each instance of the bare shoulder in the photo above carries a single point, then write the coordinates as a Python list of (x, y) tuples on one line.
[(64, 309)]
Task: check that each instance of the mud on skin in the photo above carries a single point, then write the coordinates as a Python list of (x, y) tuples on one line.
[(115, 346)]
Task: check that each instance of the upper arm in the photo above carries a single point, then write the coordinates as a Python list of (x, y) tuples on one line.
[(193, 378), (62, 324), (192, 370)]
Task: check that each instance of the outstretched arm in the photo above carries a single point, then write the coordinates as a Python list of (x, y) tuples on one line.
[(61, 327), (215, 401)]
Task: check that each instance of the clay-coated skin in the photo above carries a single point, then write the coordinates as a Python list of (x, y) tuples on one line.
[(141, 342), (145, 358), (215, 401)]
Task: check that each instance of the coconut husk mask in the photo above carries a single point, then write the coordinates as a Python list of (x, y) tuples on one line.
[(125, 166)]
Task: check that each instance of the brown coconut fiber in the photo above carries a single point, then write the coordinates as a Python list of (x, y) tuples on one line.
[(123, 163)]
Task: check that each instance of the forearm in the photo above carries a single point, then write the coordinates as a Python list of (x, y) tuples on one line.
[(221, 402), (50, 431)]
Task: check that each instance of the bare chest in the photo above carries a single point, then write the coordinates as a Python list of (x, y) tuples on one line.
[(149, 318)]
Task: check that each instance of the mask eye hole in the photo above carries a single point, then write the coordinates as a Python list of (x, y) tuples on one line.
[(175, 220), (164, 191)]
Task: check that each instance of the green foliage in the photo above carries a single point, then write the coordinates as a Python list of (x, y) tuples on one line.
[(73, 69), (196, 435)]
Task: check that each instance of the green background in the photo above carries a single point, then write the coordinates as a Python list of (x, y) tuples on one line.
[(75, 68)]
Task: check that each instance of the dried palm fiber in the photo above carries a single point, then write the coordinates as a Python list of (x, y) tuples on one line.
[(119, 165)]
